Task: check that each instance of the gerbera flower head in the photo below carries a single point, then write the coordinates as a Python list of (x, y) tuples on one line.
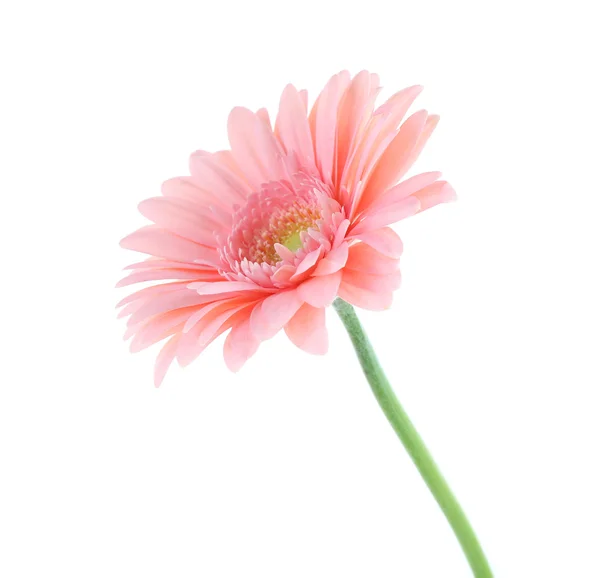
[(264, 236)]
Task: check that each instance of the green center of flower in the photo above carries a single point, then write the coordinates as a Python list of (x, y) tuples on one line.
[(293, 242)]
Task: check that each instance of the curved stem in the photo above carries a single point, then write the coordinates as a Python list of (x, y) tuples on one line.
[(412, 441)]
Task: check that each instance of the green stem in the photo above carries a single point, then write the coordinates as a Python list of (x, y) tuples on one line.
[(412, 441)]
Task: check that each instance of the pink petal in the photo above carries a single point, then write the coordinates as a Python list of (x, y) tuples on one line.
[(179, 216), (217, 325), (263, 114), (291, 126), (355, 110), (364, 258), (164, 302), (155, 263), (333, 261), (365, 299), (240, 345), (206, 330), (340, 234), (307, 330), (203, 311), (432, 122), (283, 275), (324, 136), (307, 264), (374, 283), (254, 148), (222, 287), (398, 104), (380, 135), (440, 192), (132, 330), (159, 327), (320, 291), (159, 274), (214, 175), (394, 162), (188, 188), (384, 240), (164, 359), (156, 241), (373, 143), (304, 98), (284, 253), (146, 292), (392, 214), (273, 313), (404, 189)]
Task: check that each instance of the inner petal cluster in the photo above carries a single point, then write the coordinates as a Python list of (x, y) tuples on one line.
[(277, 225), (273, 222)]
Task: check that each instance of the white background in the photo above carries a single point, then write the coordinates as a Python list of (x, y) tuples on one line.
[(289, 469)]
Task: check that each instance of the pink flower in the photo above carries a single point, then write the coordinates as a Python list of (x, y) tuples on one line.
[(264, 236)]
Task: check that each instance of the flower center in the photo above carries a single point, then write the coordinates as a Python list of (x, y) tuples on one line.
[(279, 214), (284, 226)]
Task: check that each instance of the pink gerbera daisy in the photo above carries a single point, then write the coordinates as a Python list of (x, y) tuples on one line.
[(265, 236)]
